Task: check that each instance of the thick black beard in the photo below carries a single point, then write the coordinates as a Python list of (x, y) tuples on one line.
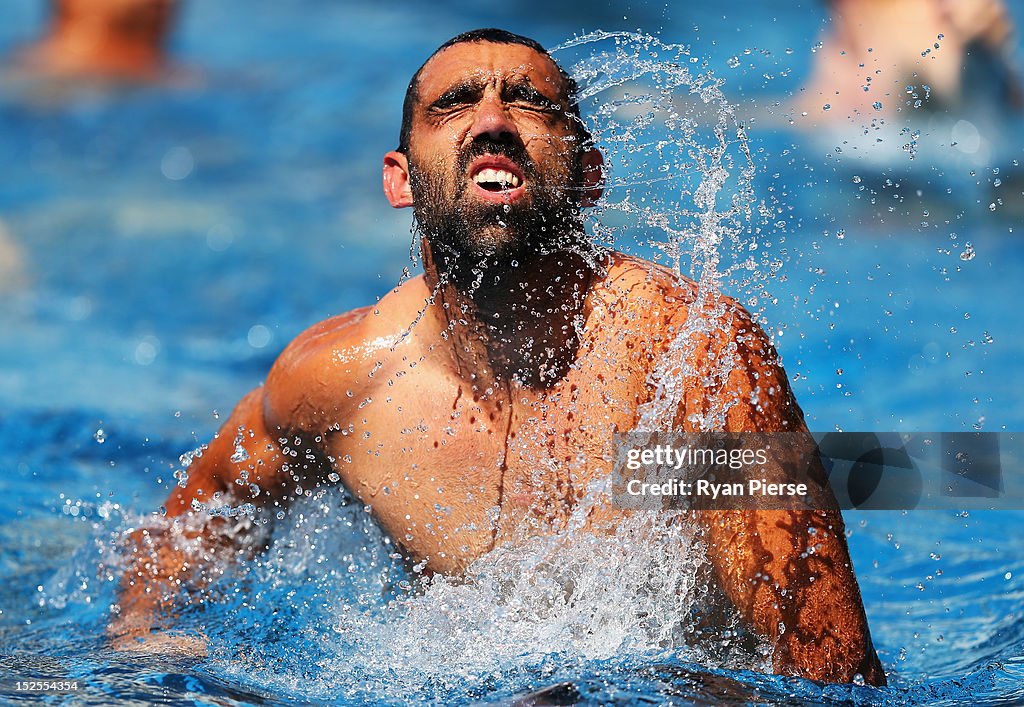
[(478, 247)]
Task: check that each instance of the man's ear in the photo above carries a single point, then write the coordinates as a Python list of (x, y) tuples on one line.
[(396, 180), (593, 176)]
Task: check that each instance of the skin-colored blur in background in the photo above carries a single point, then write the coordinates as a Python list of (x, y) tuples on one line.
[(109, 39), (874, 49)]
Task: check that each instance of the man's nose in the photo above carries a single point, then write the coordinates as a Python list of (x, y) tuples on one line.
[(493, 121)]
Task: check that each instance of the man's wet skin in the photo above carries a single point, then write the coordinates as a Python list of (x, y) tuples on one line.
[(473, 405)]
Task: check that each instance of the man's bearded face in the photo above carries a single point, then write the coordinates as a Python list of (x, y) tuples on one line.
[(483, 233), (494, 163)]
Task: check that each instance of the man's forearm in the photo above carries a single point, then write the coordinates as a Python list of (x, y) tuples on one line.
[(790, 577), (189, 548)]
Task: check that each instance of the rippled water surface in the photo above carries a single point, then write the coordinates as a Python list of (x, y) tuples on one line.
[(162, 246)]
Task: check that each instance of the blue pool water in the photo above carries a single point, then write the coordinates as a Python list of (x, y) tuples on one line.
[(162, 246)]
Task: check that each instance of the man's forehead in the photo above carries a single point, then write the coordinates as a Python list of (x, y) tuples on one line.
[(488, 60)]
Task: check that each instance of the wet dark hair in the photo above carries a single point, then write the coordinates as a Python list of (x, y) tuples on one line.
[(494, 36)]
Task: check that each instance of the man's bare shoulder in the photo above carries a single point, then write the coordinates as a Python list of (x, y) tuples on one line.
[(664, 298), (635, 279), (325, 368), (722, 342)]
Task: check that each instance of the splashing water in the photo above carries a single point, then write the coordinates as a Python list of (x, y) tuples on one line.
[(682, 183), (675, 151)]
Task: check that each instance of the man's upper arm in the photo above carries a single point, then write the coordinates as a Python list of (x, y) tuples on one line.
[(243, 463), (247, 449)]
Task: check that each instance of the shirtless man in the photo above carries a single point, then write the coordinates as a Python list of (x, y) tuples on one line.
[(108, 39), (472, 405)]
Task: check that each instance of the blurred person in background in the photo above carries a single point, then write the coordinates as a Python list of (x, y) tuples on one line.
[(120, 40), (116, 41), (12, 274), (954, 53)]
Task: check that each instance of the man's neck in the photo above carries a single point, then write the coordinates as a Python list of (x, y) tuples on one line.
[(523, 328)]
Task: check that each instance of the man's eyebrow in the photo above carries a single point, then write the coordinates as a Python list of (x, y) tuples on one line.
[(521, 88), (461, 92)]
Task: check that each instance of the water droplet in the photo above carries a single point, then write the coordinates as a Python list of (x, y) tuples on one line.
[(100, 436), (177, 163), (259, 336), (877, 105), (240, 455), (733, 62), (968, 252), (146, 351)]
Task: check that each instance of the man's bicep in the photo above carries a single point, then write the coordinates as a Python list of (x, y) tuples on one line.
[(162, 557), (733, 380), (762, 413), (242, 464), (762, 399)]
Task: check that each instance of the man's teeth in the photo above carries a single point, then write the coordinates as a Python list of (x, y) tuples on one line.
[(497, 176)]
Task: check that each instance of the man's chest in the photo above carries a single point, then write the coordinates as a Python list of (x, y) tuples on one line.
[(450, 472)]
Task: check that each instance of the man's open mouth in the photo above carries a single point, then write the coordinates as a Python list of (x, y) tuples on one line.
[(497, 178)]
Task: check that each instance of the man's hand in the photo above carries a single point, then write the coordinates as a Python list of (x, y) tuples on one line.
[(162, 643)]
